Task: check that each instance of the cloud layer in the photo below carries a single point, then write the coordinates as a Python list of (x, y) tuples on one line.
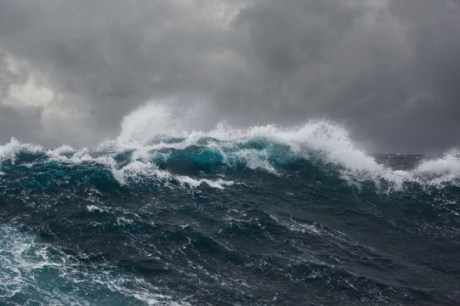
[(69, 72)]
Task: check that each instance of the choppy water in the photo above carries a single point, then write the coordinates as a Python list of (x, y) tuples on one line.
[(258, 216)]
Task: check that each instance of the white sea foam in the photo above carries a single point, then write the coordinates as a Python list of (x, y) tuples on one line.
[(440, 170), (12, 148), (49, 276), (94, 208), (137, 170)]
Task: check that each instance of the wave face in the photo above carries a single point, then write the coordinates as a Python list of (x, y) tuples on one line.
[(165, 214)]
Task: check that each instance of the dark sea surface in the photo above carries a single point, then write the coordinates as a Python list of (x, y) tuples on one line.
[(261, 217)]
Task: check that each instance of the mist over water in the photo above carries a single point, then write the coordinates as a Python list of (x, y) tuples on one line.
[(170, 212)]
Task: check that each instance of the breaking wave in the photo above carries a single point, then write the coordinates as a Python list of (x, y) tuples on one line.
[(156, 143)]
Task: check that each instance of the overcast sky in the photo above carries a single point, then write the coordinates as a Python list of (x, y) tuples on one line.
[(388, 70)]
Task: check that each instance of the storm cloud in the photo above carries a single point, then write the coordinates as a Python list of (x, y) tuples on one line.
[(388, 70)]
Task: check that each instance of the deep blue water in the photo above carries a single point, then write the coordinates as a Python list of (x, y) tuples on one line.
[(255, 223)]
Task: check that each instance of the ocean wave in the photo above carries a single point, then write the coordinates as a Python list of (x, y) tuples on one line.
[(154, 138), (304, 210)]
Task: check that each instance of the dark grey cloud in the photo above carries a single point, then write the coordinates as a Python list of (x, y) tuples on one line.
[(387, 69)]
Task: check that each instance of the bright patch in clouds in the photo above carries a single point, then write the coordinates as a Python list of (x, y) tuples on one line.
[(29, 95)]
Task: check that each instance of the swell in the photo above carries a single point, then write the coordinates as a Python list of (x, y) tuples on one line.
[(259, 216), (291, 237), (291, 233)]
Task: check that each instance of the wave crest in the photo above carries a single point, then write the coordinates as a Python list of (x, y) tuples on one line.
[(156, 135)]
